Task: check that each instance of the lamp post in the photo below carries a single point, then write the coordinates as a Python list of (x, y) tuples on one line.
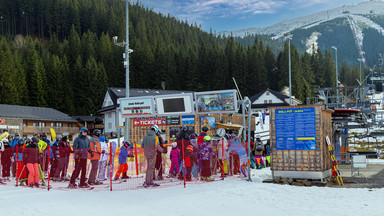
[(126, 65), (289, 37), (337, 78), (360, 60)]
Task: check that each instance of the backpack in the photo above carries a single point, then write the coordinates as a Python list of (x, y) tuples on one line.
[(259, 146)]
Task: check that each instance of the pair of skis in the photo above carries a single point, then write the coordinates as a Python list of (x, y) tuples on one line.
[(334, 163)]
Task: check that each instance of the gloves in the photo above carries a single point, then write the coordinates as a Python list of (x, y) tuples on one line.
[(103, 151)]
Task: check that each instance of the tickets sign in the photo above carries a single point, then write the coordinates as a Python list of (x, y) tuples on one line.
[(148, 121)]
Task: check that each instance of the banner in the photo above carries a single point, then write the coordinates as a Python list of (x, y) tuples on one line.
[(137, 106), (190, 119), (148, 121), (216, 102), (295, 129)]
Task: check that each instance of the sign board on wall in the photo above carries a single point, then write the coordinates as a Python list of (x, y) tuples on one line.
[(180, 104), (137, 106), (295, 129), (148, 121), (189, 119), (173, 120), (216, 102)]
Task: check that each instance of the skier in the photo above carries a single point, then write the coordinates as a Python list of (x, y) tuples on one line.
[(150, 146), (205, 155), (1, 151), (159, 165), (43, 137), (64, 153), (81, 147), (103, 159), (182, 143), (95, 157), (123, 165), (6, 160), (111, 162), (267, 152), (31, 160), (258, 151), (13, 144), (189, 160), (175, 157), (54, 156), (20, 168)]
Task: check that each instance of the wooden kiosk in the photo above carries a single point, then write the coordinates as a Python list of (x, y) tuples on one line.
[(298, 141)]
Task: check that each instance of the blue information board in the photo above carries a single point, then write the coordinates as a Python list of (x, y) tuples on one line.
[(295, 129)]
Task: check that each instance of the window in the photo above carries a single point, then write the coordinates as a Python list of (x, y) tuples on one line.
[(24, 124), (265, 101), (267, 93), (35, 124), (52, 124), (270, 101), (109, 103), (42, 124), (109, 125), (109, 115), (70, 125)]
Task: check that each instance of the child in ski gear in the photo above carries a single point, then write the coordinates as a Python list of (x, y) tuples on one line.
[(54, 156), (64, 153), (267, 152), (31, 160), (175, 157), (189, 160), (183, 141), (123, 165), (103, 159), (95, 157), (151, 146), (43, 137), (81, 147), (205, 155), (258, 151), (20, 168)]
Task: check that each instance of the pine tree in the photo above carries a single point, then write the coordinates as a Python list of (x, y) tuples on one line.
[(8, 87)]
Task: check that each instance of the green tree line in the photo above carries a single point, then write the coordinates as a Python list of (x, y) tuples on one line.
[(60, 54)]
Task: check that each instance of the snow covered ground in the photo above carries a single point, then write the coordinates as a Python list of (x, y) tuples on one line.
[(228, 197)]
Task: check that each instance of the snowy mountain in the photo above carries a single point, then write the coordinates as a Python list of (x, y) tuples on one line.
[(357, 20)]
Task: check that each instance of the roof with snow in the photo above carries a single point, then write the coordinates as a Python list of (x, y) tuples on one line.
[(33, 113), (281, 99)]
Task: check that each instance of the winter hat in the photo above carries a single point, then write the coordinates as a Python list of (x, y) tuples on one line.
[(83, 129), (189, 148), (102, 139), (174, 144)]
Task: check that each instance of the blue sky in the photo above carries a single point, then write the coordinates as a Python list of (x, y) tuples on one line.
[(221, 15)]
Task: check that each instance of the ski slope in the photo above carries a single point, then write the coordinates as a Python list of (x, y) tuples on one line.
[(228, 197)]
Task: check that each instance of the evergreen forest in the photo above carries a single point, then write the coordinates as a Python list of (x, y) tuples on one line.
[(60, 54)]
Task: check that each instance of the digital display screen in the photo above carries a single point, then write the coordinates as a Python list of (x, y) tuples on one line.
[(174, 105)]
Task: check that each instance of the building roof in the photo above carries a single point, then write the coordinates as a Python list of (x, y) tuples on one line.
[(277, 94), (116, 93), (33, 113), (280, 96), (88, 118)]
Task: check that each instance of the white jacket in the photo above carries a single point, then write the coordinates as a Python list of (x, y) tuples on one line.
[(104, 146), (1, 146)]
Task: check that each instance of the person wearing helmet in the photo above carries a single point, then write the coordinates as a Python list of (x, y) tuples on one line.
[(151, 146), (103, 158), (200, 138), (159, 164), (123, 165), (64, 153), (19, 165), (175, 157), (95, 157), (43, 137), (54, 156), (6, 156), (205, 155), (31, 159), (81, 147)]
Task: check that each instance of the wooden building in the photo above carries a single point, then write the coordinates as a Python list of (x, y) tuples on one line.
[(298, 141)]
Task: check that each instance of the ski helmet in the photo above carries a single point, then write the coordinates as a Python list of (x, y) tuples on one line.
[(174, 144), (28, 140), (205, 129), (10, 137), (83, 129), (97, 132), (36, 135), (184, 129), (5, 141), (65, 134), (207, 138), (156, 129), (35, 140), (21, 142), (58, 137), (44, 135), (17, 134)]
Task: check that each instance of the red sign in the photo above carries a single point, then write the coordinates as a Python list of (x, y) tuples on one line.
[(149, 121), (2, 121)]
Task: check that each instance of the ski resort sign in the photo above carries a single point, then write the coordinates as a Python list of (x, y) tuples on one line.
[(137, 107), (216, 102)]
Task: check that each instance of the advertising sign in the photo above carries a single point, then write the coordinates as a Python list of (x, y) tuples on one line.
[(137, 106), (208, 122), (148, 121), (216, 102), (189, 119), (295, 129), (180, 104), (173, 120)]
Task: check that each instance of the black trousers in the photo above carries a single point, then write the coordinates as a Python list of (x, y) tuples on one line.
[(80, 166)]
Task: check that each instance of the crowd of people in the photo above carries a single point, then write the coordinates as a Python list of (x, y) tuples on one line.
[(30, 160)]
